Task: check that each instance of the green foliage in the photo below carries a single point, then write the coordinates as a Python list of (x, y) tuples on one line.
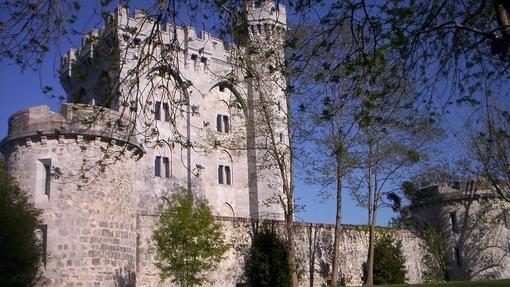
[(389, 263), (20, 249), (188, 241), (409, 189), (267, 264), (437, 257)]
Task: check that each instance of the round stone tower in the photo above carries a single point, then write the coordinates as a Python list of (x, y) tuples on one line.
[(476, 222), (78, 167)]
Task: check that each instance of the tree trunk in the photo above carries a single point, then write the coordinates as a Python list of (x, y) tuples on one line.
[(374, 187), (290, 200), (370, 260), (338, 222), (370, 257), (292, 248), (371, 237)]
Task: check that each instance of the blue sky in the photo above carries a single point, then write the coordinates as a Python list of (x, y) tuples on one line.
[(21, 89)]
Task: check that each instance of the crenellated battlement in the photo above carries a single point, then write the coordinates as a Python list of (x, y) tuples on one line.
[(135, 26), (132, 27), (266, 11), (455, 190), (78, 121)]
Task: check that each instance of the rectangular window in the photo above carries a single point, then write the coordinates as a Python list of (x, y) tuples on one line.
[(281, 137), (228, 177), (166, 111), (157, 111), (218, 124), (157, 166), (47, 176), (222, 88), (453, 221), (226, 125), (220, 174), (194, 58), (203, 60), (279, 106), (166, 164)]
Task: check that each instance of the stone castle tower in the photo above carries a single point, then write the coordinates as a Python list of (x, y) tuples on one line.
[(476, 223), (196, 115), (142, 121)]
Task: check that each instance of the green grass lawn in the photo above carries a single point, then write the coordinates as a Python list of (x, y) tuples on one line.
[(492, 283)]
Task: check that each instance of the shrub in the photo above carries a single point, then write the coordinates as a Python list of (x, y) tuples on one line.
[(188, 241), (268, 261), (20, 249), (389, 263)]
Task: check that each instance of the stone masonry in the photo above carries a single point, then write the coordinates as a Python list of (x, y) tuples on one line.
[(100, 167), (476, 221)]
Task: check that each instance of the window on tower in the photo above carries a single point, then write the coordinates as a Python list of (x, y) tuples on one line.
[(220, 174), (43, 177), (162, 167), (218, 124), (228, 179), (157, 111), (194, 58), (203, 60), (453, 221), (166, 166), (224, 175), (222, 124), (47, 176), (157, 166), (166, 111), (226, 125)]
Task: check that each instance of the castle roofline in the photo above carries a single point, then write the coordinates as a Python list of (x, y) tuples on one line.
[(122, 19), (266, 11), (74, 120), (453, 191)]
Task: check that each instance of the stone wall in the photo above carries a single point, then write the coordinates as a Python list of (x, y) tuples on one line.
[(314, 244), (89, 208)]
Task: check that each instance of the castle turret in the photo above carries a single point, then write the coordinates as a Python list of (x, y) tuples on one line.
[(267, 133), (80, 174), (476, 223)]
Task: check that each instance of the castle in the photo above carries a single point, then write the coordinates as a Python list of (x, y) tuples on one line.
[(153, 109), (476, 223)]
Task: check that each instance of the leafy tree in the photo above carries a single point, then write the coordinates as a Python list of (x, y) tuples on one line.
[(188, 241), (437, 257), (389, 263), (20, 249), (267, 263), (327, 126), (490, 149), (434, 242)]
